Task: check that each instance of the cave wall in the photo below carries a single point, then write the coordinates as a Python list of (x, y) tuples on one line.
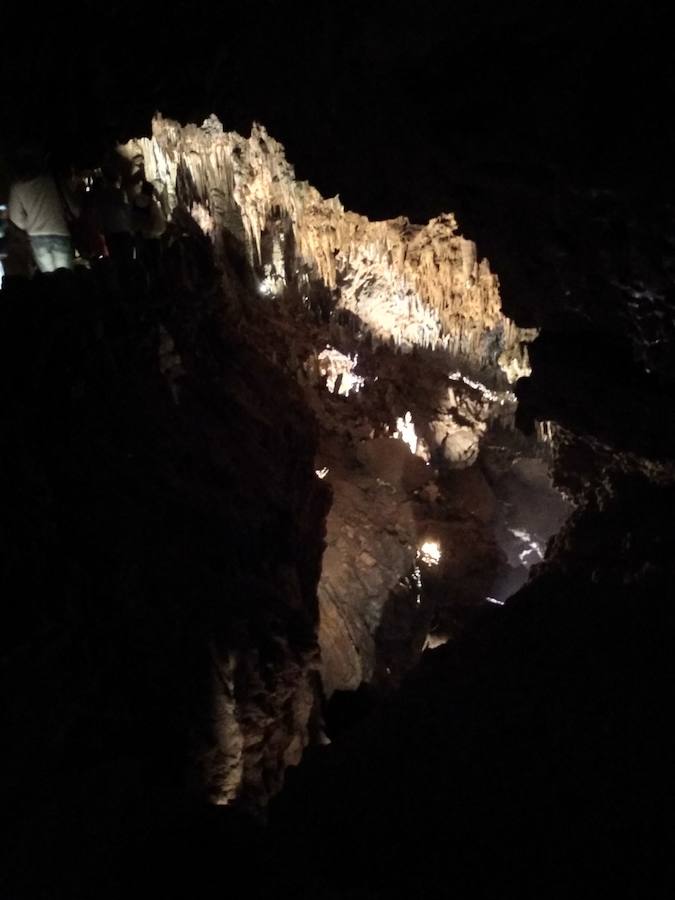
[(327, 274), (414, 285), (535, 753), (162, 532), (534, 757)]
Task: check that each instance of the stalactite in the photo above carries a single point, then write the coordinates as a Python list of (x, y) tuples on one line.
[(420, 285)]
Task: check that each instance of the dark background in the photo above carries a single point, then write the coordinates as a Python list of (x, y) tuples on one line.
[(397, 110), (497, 112)]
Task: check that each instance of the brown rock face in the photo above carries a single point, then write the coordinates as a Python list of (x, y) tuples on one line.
[(391, 461), (343, 293), (468, 491), (371, 544)]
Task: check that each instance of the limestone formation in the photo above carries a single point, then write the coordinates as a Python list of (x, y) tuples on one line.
[(338, 297), (388, 423), (411, 284)]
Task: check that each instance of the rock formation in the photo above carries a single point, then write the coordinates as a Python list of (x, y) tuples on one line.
[(171, 632), (337, 287), (198, 428), (415, 285)]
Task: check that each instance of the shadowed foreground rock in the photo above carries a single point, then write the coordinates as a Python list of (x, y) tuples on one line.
[(161, 541), (532, 759)]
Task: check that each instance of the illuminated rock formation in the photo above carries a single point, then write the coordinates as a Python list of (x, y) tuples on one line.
[(411, 284), (382, 445), (362, 564), (345, 294)]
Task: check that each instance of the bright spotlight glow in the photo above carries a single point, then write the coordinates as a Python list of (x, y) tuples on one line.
[(417, 581), (430, 553), (271, 286), (339, 370), (485, 392), (405, 431), (203, 218), (435, 640), (531, 549)]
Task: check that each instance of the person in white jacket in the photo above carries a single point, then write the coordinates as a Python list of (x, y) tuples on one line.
[(36, 206)]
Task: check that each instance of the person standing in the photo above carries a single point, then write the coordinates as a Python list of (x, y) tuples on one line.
[(36, 207)]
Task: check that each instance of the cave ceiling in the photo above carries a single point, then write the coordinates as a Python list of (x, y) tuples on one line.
[(394, 111)]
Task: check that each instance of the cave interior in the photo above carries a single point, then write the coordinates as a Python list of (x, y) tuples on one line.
[(338, 547)]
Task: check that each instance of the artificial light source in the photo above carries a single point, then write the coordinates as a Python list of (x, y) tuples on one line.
[(430, 553), (531, 549), (405, 431), (339, 370), (484, 391)]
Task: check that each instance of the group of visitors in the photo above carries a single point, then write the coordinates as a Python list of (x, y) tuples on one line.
[(85, 216)]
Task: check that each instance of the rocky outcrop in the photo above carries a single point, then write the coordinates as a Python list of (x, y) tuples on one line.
[(392, 492), (337, 296), (238, 450), (414, 285), (371, 546)]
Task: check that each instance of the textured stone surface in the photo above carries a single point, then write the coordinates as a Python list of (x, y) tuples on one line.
[(415, 285), (541, 762), (377, 610), (339, 293), (371, 546)]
